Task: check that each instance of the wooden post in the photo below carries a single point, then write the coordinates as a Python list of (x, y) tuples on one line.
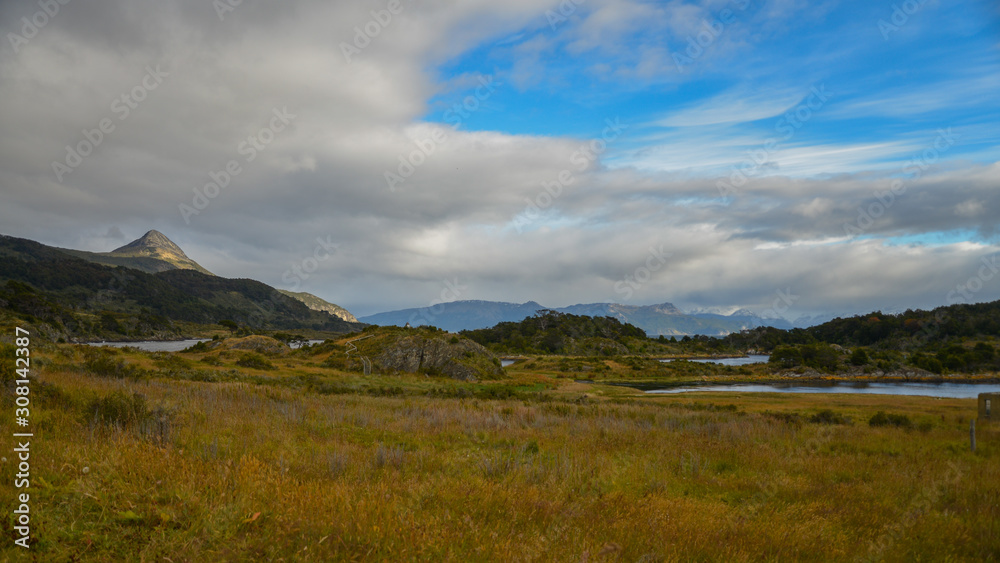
[(972, 434)]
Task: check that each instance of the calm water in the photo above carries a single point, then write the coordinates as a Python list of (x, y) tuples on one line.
[(153, 345), (505, 363), (167, 345), (752, 359), (950, 390)]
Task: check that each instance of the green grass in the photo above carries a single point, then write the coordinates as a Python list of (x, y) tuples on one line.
[(240, 464)]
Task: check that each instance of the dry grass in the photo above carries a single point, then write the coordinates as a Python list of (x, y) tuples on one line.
[(262, 472)]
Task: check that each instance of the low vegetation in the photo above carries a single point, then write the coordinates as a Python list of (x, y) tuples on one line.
[(193, 456)]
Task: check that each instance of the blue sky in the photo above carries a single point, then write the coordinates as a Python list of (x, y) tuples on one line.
[(891, 86)]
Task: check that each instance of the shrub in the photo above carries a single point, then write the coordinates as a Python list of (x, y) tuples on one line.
[(201, 346), (7, 371), (105, 365), (827, 416), (820, 356), (211, 360), (786, 357), (929, 363), (166, 360), (119, 409), (253, 360), (859, 357), (883, 419)]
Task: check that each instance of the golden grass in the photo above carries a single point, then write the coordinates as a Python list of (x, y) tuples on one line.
[(264, 472)]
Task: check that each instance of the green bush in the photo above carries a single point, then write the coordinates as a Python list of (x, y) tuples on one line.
[(786, 357), (211, 360), (883, 419), (253, 360), (201, 346), (167, 360), (104, 364), (821, 356), (859, 357), (827, 416), (929, 363)]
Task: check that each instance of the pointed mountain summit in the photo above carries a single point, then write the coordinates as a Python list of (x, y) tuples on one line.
[(153, 252), (157, 246), (150, 242)]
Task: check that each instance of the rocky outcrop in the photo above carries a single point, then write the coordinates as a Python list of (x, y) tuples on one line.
[(439, 353)]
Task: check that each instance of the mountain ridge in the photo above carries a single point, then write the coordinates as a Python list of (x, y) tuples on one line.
[(661, 319)]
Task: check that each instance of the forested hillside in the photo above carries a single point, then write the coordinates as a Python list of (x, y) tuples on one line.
[(83, 299)]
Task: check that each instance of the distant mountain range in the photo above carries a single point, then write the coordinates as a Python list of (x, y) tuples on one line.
[(662, 319), (457, 315)]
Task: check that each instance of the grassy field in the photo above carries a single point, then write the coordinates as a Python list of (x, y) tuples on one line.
[(172, 457)]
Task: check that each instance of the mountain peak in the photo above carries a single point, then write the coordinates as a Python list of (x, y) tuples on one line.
[(154, 252), (152, 240)]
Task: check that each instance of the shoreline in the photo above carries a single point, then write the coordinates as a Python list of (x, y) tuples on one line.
[(991, 379)]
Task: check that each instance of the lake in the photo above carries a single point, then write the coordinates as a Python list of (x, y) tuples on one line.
[(153, 345), (949, 390), (168, 345), (745, 360)]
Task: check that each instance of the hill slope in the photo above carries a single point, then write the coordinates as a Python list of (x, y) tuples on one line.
[(81, 299), (319, 304)]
